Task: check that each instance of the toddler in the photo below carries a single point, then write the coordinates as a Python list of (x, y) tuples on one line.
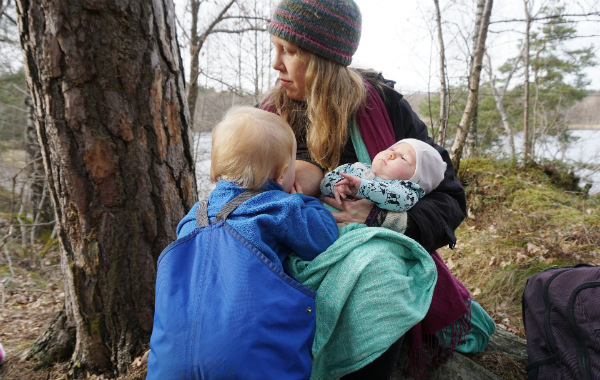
[(231, 311)]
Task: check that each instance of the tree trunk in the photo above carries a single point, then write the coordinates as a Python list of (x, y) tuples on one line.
[(113, 122), (526, 146), (499, 99), (195, 47), (443, 87), (197, 41), (469, 113), (471, 142)]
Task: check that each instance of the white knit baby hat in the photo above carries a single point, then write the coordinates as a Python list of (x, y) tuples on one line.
[(430, 168)]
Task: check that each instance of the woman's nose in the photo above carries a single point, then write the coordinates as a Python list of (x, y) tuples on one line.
[(277, 63)]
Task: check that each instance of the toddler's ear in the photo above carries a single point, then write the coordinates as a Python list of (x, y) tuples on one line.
[(279, 177)]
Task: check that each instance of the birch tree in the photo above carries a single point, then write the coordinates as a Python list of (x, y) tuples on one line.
[(443, 86), (474, 77), (226, 17)]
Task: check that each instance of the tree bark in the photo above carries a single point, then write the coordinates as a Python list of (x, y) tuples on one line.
[(469, 112), (111, 115)]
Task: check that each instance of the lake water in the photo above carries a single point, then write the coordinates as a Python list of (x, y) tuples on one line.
[(585, 148)]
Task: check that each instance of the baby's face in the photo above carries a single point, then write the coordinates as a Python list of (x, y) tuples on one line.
[(397, 162)]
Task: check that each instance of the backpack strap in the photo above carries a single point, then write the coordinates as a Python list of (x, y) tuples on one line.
[(202, 215)]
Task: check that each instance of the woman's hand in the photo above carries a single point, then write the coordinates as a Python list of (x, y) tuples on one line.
[(355, 211)]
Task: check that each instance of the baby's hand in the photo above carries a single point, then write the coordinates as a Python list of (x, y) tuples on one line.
[(349, 185), (296, 188), (341, 191)]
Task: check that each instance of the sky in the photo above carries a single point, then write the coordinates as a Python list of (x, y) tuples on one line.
[(400, 40)]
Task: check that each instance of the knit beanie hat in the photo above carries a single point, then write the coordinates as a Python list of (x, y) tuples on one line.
[(329, 28), (430, 168)]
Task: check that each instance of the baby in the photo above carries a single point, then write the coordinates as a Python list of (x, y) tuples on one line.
[(398, 177)]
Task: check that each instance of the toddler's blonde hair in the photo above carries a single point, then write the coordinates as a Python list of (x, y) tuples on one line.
[(250, 146)]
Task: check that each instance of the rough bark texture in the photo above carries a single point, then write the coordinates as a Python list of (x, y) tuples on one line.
[(112, 120)]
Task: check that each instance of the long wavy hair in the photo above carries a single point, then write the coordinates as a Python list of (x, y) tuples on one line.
[(334, 94)]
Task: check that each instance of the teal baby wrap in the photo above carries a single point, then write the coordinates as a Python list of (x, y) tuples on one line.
[(373, 285)]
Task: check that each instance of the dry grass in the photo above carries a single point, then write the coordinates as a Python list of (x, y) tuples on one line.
[(520, 222)]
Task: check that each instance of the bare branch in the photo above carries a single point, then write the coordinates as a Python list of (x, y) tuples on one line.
[(238, 31), (183, 29), (230, 88), (243, 17), (550, 17), (4, 14)]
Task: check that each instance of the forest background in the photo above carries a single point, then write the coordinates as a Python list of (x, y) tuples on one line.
[(531, 65)]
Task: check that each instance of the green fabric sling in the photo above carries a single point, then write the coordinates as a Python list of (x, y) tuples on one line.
[(359, 145), (372, 285)]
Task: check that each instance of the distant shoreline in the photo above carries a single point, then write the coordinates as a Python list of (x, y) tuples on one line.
[(584, 126)]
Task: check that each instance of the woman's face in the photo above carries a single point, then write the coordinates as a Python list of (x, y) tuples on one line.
[(291, 67)]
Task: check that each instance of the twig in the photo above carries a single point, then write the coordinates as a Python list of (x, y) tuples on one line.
[(39, 212)]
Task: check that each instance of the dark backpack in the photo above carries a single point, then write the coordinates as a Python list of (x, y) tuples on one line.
[(561, 315)]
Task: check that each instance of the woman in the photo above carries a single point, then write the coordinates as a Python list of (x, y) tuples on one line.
[(331, 108)]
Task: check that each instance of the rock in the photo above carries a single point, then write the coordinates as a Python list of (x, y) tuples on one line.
[(506, 352)]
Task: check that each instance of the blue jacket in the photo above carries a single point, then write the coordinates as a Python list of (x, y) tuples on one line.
[(276, 223)]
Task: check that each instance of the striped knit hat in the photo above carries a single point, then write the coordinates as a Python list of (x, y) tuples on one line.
[(329, 28)]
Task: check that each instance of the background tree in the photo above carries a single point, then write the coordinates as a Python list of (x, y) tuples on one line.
[(500, 95), (471, 142), (110, 110), (221, 17), (470, 109), (443, 121), (557, 68), (526, 86)]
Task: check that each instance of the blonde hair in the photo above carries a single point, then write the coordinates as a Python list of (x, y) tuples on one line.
[(334, 94), (249, 147)]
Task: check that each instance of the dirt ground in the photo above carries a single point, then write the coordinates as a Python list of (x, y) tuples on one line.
[(31, 294)]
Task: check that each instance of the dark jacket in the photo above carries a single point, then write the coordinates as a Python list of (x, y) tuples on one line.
[(434, 218)]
